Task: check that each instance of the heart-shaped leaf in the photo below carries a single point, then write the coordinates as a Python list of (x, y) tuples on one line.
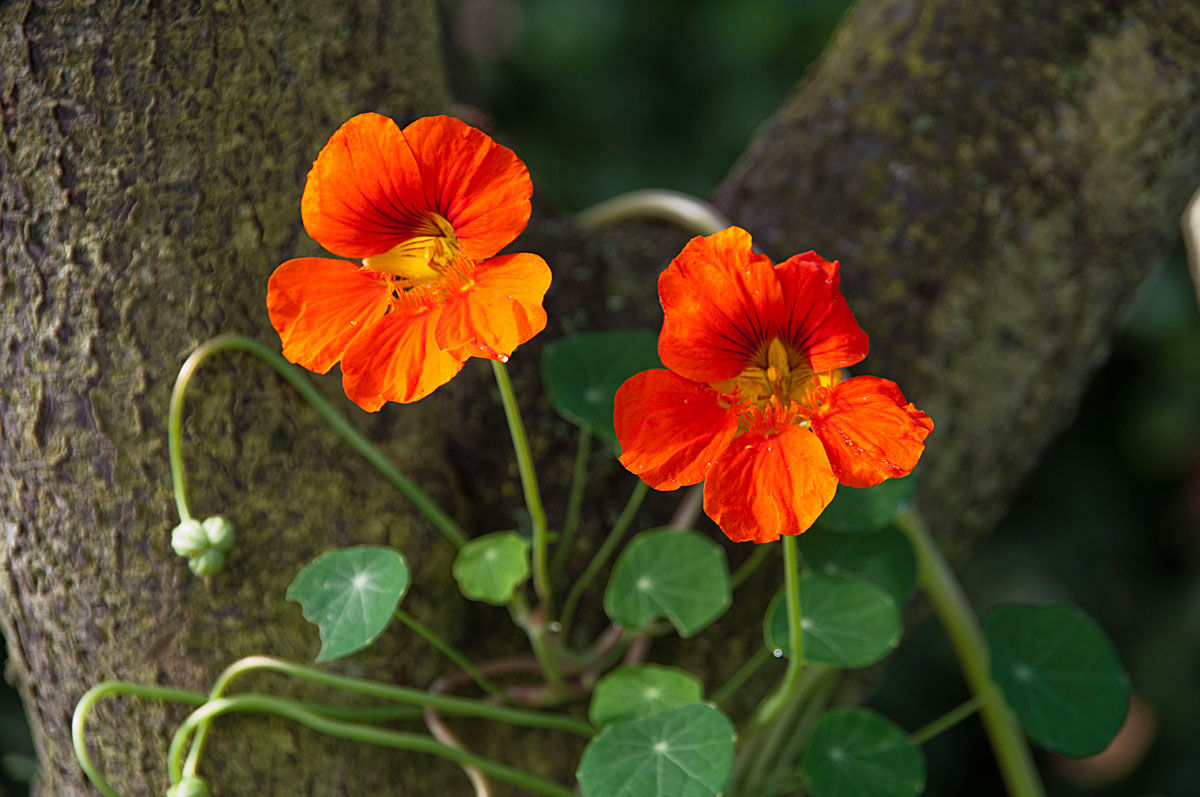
[(857, 753), (680, 575), (683, 752), (350, 594), (1060, 674), (846, 621), (490, 567), (582, 373), (632, 692)]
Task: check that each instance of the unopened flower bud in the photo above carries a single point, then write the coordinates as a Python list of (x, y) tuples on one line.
[(189, 538), (219, 532), (208, 563), (189, 787)]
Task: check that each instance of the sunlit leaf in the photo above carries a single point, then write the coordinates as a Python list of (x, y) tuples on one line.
[(885, 558), (582, 373), (846, 621), (490, 567), (862, 511), (350, 594), (682, 752), (857, 753), (632, 692), (1060, 674), (680, 575)]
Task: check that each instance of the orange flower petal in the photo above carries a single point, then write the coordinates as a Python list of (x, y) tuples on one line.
[(816, 317), (397, 360), (670, 428), (870, 432), (318, 306), (719, 299), (500, 312), (363, 195), (479, 186), (769, 483)]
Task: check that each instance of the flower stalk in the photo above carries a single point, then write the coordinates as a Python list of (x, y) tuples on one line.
[(529, 483), (954, 611)]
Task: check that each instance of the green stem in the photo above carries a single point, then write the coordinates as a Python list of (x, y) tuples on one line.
[(791, 678), (536, 631), (93, 696), (261, 704), (764, 748), (533, 498), (445, 704), (602, 555), (740, 676), (294, 376), (946, 721), (449, 652), (955, 613), (574, 503), (752, 563)]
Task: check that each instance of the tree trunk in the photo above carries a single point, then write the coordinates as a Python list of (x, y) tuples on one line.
[(996, 181)]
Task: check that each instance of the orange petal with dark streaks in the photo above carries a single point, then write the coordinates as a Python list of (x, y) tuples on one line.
[(769, 482), (670, 428)]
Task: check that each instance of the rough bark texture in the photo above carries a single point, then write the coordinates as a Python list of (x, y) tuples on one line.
[(997, 179), (153, 157)]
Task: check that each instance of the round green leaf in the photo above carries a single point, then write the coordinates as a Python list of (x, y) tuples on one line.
[(350, 594), (679, 575), (861, 511), (631, 692), (582, 373), (885, 558), (857, 753), (683, 752), (1060, 674), (490, 567), (847, 622)]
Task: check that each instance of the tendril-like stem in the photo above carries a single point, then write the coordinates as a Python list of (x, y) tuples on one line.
[(340, 424), (94, 695), (262, 704), (446, 704)]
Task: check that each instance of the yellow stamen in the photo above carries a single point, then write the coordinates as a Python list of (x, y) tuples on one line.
[(423, 257)]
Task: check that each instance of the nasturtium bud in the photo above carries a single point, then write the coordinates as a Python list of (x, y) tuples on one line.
[(208, 563), (219, 532), (189, 538), (189, 787)]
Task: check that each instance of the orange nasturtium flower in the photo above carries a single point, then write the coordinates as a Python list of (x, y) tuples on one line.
[(753, 401), (425, 209)]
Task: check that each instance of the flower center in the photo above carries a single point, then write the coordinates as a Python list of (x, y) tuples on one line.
[(778, 371), (422, 258)]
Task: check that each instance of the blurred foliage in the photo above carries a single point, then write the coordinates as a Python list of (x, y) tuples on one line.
[(605, 96), (1110, 520)]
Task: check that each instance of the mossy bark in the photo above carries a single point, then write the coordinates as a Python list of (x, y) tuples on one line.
[(996, 181)]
